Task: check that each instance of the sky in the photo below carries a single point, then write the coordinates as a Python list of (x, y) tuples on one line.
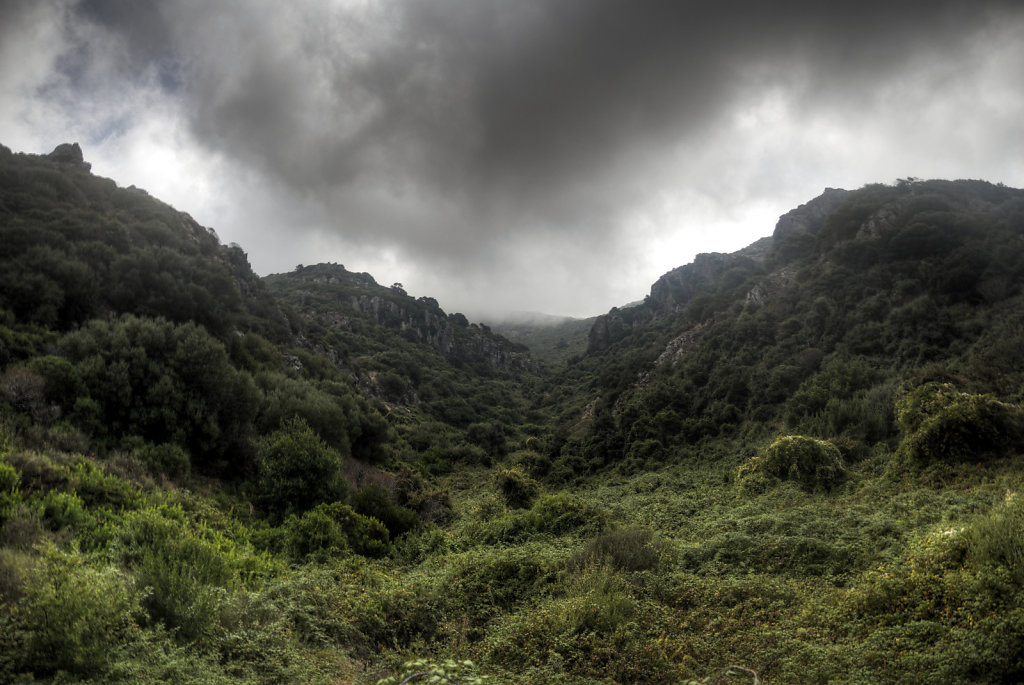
[(512, 155)]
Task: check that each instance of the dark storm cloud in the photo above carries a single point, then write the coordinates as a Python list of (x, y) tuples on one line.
[(471, 133), (505, 103)]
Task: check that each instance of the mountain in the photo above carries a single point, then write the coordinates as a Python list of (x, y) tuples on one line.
[(859, 291), (335, 297), (797, 462)]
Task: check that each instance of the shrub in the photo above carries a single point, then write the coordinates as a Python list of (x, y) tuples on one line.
[(462, 672), (72, 613), (998, 538), (563, 513), (298, 470), (9, 478), (100, 489), (941, 424), (373, 502), (331, 529), (65, 510), (811, 463), (517, 489), (624, 549), (167, 459)]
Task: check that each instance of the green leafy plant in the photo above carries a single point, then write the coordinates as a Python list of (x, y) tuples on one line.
[(516, 488), (811, 463), (298, 470), (462, 672)]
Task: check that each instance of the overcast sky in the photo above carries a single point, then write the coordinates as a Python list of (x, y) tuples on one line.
[(499, 155)]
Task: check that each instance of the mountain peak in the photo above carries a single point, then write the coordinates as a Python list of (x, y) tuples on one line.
[(69, 153)]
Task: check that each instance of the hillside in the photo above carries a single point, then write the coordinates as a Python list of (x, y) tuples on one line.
[(794, 463)]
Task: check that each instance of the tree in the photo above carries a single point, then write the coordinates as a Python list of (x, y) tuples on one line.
[(298, 470)]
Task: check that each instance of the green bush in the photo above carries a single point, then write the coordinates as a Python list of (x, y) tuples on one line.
[(65, 510), (298, 470), (190, 571), (624, 549), (97, 488), (168, 459), (332, 529), (486, 582), (997, 539), (517, 489), (9, 478), (811, 463), (941, 424), (72, 614), (562, 513), (373, 502), (450, 670)]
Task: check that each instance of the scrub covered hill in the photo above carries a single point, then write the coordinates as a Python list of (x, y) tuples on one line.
[(798, 461)]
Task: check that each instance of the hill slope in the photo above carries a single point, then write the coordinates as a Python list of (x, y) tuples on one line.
[(801, 458)]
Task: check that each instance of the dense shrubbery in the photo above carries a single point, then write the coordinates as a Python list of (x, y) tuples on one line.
[(298, 470), (942, 424), (201, 485), (811, 463)]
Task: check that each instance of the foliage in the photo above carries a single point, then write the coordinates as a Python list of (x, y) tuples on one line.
[(176, 444), (71, 614), (449, 671), (298, 470), (518, 490), (811, 463), (334, 529), (373, 502), (623, 549), (942, 424)]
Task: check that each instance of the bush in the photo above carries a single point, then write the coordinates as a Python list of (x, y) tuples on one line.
[(373, 502), (333, 529), (72, 613), (563, 513), (941, 424), (998, 538), (624, 549), (167, 459), (298, 470), (9, 478), (517, 489), (811, 463), (65, 510), (100, 489)]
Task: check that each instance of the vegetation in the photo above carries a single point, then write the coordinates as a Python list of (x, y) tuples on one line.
[(800, 463)]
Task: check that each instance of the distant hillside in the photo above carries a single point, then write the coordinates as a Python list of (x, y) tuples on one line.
[(346, 301), (859, 291), (552, 340)]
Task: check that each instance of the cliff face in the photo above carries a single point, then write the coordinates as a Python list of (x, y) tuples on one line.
[(347, 301), (671, 294)]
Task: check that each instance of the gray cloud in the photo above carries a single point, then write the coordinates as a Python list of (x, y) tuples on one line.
[(461, 138)]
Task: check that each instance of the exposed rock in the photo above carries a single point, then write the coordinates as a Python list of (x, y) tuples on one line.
[(669, 294), (69, 153), (771, 284), (884, 218), (810, 216)]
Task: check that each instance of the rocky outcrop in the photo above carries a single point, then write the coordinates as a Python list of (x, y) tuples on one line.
[(669, 294), (71, 154), (356, 296), (810, 216)]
